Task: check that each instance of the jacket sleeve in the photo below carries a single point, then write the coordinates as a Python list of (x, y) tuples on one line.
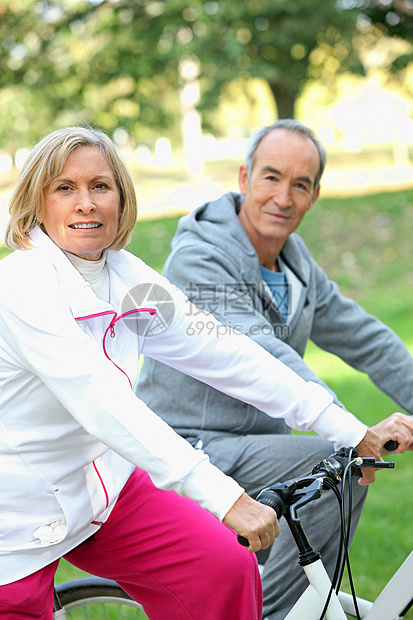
[(342, 327), (39, 339), (237, 366), (215, 286)]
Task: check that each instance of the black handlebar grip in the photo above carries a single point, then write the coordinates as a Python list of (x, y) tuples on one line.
[(270, 498), (243, 541), (391, 445)]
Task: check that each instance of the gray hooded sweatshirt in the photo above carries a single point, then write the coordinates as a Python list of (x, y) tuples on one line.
[(215, 264)]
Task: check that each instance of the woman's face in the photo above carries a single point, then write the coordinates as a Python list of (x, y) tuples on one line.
[(82, 205)]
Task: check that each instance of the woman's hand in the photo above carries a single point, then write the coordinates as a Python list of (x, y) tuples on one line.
[(254, 521)]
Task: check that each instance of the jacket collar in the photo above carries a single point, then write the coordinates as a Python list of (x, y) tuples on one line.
[(81, 298), (291, 254)]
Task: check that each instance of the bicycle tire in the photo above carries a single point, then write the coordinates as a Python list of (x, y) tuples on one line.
[(94, 598)]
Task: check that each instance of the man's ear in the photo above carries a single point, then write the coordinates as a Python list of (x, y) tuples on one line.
[(315, 197), (243, 179)]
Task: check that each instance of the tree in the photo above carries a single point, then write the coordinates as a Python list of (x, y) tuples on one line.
[(116, 62), (275, 40), (84, 62), (392, 19)]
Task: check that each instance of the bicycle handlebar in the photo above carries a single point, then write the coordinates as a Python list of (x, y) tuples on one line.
[(295, 493), (392, 444)]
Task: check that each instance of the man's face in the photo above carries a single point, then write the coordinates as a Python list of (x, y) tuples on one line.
[(281, 187)]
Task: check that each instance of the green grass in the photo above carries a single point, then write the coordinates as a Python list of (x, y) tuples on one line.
[(364, 243), (151, 240)]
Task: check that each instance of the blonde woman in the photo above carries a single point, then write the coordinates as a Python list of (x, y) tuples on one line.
[(88, 471)]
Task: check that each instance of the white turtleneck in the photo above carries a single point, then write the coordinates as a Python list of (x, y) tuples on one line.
[(95, 272)]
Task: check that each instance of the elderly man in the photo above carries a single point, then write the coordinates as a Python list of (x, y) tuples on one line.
[(239, 258)]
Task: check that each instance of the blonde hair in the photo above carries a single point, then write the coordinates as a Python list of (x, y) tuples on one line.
[(45, 162)]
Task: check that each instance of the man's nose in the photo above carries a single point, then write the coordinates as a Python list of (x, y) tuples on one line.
[(282, 195)]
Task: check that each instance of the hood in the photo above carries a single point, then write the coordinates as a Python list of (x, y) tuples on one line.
[(215, 222)]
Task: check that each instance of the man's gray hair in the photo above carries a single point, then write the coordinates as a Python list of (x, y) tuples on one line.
[(288, 124)]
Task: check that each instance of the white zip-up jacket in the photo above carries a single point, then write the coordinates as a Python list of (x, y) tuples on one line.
[(71, 427)]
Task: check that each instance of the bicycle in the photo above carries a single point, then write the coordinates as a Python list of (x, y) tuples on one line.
[(323, 599), (96, 598)]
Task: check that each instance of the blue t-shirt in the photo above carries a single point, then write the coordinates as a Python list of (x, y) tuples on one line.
[(278, 285)]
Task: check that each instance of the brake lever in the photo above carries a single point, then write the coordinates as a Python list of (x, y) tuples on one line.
[(308, 494), (370, 462)]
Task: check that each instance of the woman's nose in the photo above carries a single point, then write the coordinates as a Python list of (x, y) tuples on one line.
[(85, 202)]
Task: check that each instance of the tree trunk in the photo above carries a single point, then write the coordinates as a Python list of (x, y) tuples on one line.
[(285, 94)]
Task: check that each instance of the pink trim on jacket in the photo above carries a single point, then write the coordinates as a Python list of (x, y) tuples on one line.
[(103, 485), (111, 327)]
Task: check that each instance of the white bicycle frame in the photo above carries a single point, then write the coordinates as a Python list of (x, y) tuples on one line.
[(311, 604), (394, 598)]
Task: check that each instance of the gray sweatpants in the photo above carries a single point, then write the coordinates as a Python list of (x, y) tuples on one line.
[(257, 461)]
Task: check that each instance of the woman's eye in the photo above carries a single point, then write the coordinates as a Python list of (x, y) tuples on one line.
[(100, 186)]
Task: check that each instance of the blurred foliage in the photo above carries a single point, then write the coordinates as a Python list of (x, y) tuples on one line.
[(393, 22), (392, 18), (83, 62), (116, 63)]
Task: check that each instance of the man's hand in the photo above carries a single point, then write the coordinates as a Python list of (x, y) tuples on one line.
[(398, 427), (370, 446), (254, 521)]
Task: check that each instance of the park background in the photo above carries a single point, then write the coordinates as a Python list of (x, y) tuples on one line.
[(181, 85)]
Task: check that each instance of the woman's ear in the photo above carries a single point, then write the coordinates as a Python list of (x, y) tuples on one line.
[(40, 208)]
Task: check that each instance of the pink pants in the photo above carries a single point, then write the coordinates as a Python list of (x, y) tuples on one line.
[(169, 554)]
